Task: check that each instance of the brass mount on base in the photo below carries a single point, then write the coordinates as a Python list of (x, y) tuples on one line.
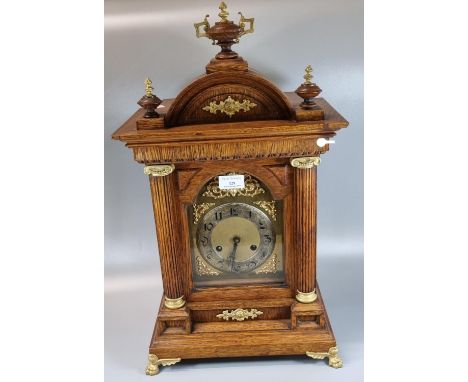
[(334, 360), (153, 364), (239, 314)]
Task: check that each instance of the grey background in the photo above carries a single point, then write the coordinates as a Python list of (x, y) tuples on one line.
[(156, 39)]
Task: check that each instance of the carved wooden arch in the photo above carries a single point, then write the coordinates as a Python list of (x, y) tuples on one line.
[(188, 108), (204, 175)]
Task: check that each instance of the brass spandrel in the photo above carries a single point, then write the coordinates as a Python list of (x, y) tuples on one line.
[(251, 188)]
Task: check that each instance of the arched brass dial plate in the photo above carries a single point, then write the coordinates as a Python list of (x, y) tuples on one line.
[(236, 237)]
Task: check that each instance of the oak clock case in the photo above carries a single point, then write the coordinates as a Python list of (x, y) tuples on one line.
[(238, 264)]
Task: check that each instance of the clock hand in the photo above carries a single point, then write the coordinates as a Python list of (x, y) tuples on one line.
[(232, 256)]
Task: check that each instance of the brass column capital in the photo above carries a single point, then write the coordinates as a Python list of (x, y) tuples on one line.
[(305, 162), (159, 169)]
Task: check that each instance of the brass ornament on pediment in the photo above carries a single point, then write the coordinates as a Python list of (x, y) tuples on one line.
[(230, 106)]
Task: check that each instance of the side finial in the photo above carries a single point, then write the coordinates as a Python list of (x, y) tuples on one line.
[(224, 13), (308, 90), (149, 101), (148, 87), (308, 76)]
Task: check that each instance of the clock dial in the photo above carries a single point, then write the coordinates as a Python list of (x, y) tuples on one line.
[(236, 237)]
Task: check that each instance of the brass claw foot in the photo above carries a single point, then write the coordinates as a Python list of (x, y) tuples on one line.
[(334, 359), (153, 364)]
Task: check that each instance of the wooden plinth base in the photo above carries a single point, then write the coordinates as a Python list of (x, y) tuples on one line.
[(217, 65), (315, 114), (306, 330)]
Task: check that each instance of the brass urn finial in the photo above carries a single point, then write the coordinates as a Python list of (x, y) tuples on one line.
[(225, 33), (308, 76), (224, 13), (308, 90), (149, 101)]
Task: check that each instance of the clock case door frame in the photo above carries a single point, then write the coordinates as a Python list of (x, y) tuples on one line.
[(274, 174)]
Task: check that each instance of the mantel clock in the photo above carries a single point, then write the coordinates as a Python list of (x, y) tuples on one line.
[(232, 165)]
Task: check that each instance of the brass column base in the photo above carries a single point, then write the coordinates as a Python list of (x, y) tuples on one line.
[(174, 303), (334, 359), (153, 364), (306, 298)]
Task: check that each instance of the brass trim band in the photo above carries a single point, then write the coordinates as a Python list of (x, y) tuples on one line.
[(306, 298), (174, 303), (159, 170)]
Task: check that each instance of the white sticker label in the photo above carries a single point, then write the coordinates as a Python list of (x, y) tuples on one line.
[(229, 182)]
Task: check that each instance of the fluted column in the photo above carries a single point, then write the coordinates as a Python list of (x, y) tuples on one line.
[(305, 199), (166, 217)]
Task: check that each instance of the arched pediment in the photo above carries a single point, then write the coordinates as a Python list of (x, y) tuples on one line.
[(229, 96)]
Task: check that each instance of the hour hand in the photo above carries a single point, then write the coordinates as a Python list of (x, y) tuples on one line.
[(232, 256)]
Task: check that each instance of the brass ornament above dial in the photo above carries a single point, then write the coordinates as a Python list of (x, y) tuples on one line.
[(236, 238)]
